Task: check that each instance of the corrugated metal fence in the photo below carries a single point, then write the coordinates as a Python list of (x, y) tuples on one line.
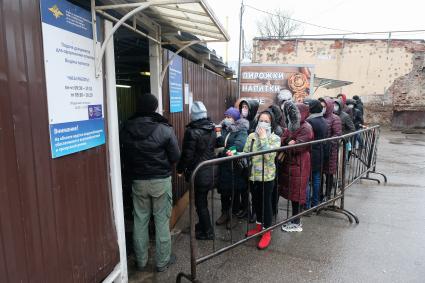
[(56, 221)]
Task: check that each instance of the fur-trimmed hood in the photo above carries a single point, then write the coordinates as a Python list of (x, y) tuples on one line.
[(276, 112), (292, 116), (304, 111)]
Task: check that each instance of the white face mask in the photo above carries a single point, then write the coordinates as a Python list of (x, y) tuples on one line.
[(336, 107), (323, 110), (265, 126), (245, 112)]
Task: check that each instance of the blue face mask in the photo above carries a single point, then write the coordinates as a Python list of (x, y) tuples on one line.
[(227, 122)]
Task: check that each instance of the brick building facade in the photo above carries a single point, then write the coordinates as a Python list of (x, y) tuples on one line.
[(388, 75)]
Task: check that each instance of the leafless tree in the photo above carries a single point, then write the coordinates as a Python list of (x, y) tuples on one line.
[(277, 24)]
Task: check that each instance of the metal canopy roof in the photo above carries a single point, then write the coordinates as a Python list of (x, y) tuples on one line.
[(200, 53), (166, 22), (192, 16), (329, 83)]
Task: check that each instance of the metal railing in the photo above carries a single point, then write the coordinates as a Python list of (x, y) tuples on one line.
[(352, 164)]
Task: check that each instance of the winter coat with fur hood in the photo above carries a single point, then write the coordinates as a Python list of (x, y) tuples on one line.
[(295, 173)]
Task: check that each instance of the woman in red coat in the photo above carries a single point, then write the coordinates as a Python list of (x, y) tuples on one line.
[(334, 130), (296, 166)]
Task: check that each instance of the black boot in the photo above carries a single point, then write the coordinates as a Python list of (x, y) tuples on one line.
[(206, 232), (242, 214), (204, 236), (198, 227)]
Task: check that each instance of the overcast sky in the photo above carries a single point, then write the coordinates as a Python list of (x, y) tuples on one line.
[(358, 16)]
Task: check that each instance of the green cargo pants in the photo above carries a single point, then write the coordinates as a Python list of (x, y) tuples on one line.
[(152, 197)]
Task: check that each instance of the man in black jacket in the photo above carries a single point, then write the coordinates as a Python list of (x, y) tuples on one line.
[(198, 145), (357, 114), (357, 119), (359, 104), (150, 149)]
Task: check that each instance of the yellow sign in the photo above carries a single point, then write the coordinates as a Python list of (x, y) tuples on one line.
[(55, 11)]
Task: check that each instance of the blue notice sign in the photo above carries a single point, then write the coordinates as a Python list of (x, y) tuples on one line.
[(175, 83), (74, 93)]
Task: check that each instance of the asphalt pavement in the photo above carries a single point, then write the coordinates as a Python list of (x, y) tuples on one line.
[(387, 246)]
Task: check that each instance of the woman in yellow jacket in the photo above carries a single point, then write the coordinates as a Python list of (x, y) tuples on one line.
[(262, 183)]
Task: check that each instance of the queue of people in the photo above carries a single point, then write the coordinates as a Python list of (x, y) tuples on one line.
[(150, 150)]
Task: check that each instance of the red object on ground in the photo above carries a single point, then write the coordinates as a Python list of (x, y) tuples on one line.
[(265, 240), (254, 231)]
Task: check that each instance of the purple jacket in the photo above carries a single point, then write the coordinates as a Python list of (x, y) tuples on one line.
[(334, 130)]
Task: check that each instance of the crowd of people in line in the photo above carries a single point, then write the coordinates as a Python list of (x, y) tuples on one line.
[(150, 149)]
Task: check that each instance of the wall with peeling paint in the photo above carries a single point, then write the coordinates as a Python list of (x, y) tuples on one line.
[(374, 66)]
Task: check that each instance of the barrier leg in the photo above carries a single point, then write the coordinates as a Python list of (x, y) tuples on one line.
[(340, 209), (333, 208), (382, 174), (184, 275), (371, 179), (374, 179)]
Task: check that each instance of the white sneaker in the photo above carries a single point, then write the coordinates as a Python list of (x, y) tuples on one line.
[(292, 227), (287, 227), (297, 228)]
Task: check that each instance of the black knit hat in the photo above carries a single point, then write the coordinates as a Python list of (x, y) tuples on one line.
[(147, 103), (314, 105)]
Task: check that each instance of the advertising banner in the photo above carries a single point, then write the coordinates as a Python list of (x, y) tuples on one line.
[(265, 82), (74, 94)]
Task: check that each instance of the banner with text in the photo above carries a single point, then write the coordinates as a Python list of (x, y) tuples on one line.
[(175, 83), (265, 82), (74, 94)]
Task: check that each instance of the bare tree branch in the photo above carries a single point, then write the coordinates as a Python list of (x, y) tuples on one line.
[(277, 24)]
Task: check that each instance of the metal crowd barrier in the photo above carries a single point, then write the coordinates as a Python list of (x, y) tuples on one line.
[(356, 160)]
